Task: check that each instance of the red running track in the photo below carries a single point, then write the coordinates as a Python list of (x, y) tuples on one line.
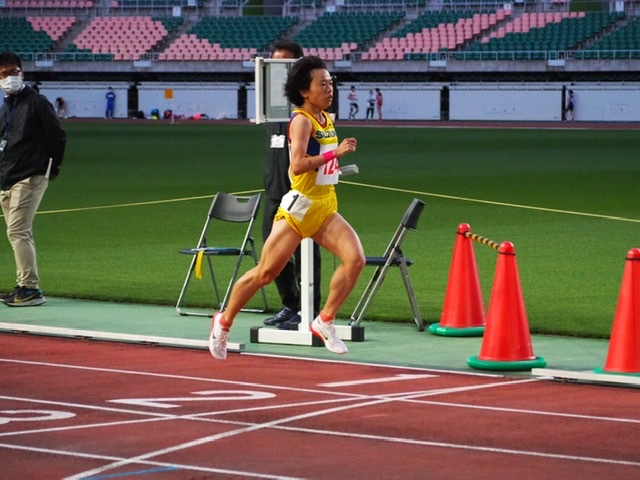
[(87, 409)]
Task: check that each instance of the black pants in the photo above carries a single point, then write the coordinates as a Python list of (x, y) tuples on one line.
[(288, 282)]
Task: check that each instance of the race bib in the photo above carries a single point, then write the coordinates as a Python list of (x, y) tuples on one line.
[(329, 173), (296, 204)]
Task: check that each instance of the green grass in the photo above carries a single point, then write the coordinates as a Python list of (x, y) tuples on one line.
[(131, 195)]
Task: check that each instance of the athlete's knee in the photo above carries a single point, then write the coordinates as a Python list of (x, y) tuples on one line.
[(356, 262), (265, 275)]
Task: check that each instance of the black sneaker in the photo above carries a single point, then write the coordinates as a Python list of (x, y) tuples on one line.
[(7, 296), (291, 324), (26, 297), (282, 316)]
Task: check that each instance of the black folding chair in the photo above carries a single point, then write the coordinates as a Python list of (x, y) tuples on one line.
[(393, 257), (224, 208)]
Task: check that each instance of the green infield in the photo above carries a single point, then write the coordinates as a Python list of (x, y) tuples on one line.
[(131, 195)]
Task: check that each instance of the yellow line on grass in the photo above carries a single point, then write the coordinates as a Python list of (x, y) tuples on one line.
[(138, 204), (490, 202), (357, 184)]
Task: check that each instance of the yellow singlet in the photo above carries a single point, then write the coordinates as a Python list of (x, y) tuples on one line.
[(312, 197)]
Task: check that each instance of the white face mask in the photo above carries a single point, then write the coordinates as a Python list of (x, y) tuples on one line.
[(12, 85)]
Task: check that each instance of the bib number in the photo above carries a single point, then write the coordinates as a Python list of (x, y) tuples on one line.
[(328, 174), (296, 204)]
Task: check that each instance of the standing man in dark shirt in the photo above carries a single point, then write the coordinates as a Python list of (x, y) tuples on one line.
[(111, 103), (32, 145), (277, 184)]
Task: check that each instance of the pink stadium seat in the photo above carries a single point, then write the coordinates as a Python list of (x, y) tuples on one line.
[(132, 36)]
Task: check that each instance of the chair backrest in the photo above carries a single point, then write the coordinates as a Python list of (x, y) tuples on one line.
[(409, 222), (235, 208), (412, 215)]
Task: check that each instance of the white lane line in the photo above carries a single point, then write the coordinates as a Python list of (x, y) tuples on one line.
[(395, 378)]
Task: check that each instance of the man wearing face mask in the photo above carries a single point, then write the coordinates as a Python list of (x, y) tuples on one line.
[(32, 145)]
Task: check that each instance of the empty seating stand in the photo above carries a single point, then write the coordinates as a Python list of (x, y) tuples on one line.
[(227, 38), (434, 32), (122, 38), (54, 27), (49, 5), (18, 35), (335, 34), (532, 36)]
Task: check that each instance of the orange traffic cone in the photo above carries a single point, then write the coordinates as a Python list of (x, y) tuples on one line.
[(624, 345), (506, 344), (463, 310)]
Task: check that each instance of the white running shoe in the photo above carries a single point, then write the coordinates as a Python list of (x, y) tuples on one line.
[(218, 338), (327, 332)]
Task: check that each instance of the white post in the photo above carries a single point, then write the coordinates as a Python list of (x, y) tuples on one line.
[(306, 285)]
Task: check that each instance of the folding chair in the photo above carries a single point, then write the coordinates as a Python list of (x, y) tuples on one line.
[(224, 208), (393, 257)]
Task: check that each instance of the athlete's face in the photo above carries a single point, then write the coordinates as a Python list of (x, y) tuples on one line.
[(320, 93)]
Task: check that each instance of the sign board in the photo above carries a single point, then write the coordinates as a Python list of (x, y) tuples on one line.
[(270, 77)]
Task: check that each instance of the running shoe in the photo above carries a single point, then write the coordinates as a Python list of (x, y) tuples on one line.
[(26, 297), (218, 338), (327, 332)]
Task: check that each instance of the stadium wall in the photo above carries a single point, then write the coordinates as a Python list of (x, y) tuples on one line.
[(611, 102)]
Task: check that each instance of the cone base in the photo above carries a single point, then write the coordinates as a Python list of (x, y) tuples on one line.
[(613, 372), (498, 365), (437, 329)]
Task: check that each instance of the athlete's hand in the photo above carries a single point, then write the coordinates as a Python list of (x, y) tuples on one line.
[(348, 145)]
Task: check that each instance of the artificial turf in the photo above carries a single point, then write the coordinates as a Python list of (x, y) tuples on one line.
[(131, 195)]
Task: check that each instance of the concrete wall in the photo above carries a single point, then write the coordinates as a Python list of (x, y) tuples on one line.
[(87, 100), (409, 101), (607, 103), (517, 102), (401, 101), (217, 101)]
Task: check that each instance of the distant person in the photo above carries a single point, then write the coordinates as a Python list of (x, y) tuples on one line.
[(308, 210), (371, 104), (31, 151), (276, 184), (60, 108), (379, 103), (111, 102), (571, 104), (353, 103)]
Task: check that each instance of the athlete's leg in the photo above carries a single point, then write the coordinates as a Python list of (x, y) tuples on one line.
[(337, 236), (277, 251)]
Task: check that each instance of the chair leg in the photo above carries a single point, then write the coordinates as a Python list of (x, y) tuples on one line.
[(368, 294), (184, 286), (417, 316), (187, 281), (213, 280)]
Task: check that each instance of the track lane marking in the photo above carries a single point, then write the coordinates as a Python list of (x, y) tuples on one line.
[(395, 378), (406, 396)]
